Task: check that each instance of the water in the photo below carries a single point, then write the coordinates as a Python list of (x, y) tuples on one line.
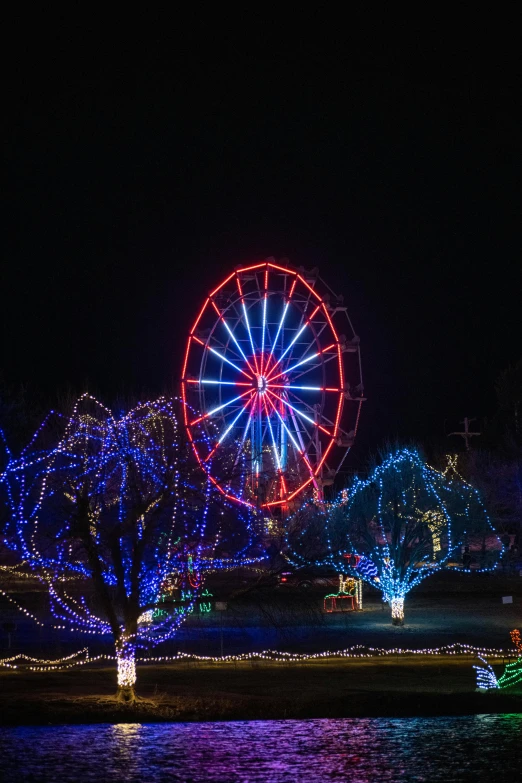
[(359, 750)]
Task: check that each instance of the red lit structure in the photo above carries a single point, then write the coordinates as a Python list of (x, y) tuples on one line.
[(275, 383)]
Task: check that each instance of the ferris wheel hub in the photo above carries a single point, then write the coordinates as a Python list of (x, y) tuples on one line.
[(261, 384)]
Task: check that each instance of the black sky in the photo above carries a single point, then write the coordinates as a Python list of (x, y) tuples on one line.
[(133, 187)]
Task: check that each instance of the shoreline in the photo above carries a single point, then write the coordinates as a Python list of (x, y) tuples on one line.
[(390, 707), (261, 691)]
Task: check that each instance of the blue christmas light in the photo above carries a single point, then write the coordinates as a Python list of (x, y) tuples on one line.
[(120, 523), (403, 523)]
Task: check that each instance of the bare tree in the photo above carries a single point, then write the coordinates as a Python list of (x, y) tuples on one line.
[(397, 527), (115, 518)]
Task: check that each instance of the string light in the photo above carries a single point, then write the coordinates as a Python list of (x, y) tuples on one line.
[(21, 608), (486, 677), (21, 657), (397, 609), (119, 505), (349, 588), (402, 524), (126, 662), (515, 638), (358, 651)]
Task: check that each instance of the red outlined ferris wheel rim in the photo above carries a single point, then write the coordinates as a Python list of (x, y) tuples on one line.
[(271, 393)]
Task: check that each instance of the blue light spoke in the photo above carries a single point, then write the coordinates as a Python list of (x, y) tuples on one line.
[(249, 332), (273, 441), (285, 402), (303, 361), (243, 409), (299, 333), (247, 425), (224, 359), (232, 335), (225, 433), (222, 383), (303, 388), (220, 407), (279, 328), (286, 428), (314, 367)]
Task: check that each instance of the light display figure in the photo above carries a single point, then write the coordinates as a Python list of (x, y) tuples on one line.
[(115, 517), (487, 679), (348, 596), (392, 530)]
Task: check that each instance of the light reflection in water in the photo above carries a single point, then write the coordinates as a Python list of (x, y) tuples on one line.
[(359, 750)]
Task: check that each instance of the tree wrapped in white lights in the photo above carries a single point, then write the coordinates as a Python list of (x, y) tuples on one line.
[(397, 527), (113, 516)]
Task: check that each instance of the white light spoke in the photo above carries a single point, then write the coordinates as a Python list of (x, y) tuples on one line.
[(220, 407), (290, 369), (224, 435), (302, 388), (225, 405), (274, 446), (314, 367), (224, 359), (289, 346), (221, 383), (232, 335), (279, 327), (286, 428), (247, 425), (303, 402), (300, 413), (249, 333)]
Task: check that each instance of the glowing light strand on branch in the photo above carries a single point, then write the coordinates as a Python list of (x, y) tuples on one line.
[(95, 471), (387, 523)]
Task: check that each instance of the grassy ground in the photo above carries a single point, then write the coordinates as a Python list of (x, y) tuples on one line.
[(447, 608), (247, 691)]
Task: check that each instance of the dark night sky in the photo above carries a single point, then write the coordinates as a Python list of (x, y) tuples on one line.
[(131, 191)]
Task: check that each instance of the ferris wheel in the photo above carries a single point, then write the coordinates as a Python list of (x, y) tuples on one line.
[(277, 386)]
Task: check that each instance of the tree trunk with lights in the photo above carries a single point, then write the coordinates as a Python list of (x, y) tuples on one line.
[(397, 611), (118, 506), (403, 523), (126, 665)]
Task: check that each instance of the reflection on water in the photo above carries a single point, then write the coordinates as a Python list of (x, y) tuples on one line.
[(362, 750)]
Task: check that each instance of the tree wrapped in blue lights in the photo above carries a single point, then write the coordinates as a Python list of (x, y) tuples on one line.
[(403, 523), (114, 516)]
